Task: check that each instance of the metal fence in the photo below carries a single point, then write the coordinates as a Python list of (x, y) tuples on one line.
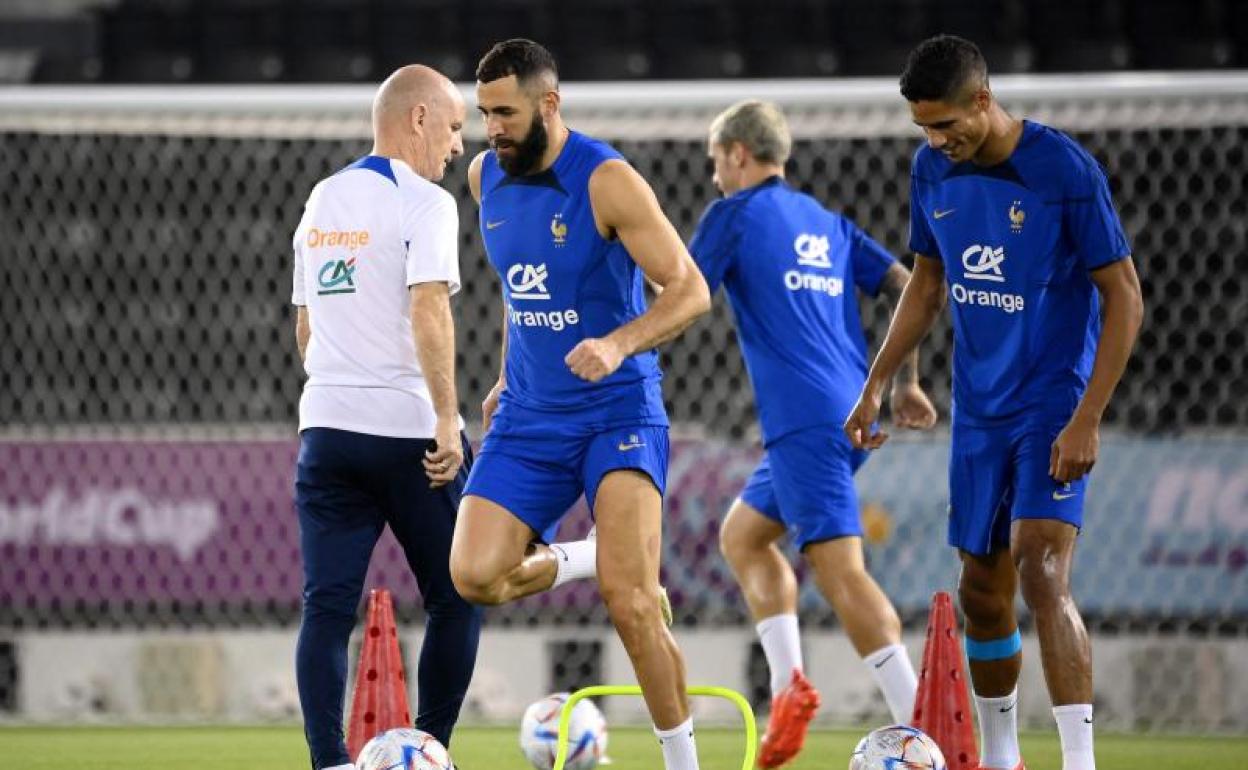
[(150, 381)]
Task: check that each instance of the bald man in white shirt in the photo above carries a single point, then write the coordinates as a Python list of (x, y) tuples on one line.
[(381, 443)]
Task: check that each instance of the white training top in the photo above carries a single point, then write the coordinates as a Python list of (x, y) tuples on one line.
[(367, 234)]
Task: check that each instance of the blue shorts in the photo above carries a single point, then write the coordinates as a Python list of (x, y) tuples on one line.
[(539, 475), (1000, 474), (806, 482)]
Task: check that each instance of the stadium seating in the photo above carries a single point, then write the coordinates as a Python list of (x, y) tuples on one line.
[(341, 41)]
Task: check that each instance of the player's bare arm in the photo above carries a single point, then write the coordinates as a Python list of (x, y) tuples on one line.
[(1122, 310), (625, 207), (303, 331), (434, 330), (911, 406), (920, 305), (490, 403)]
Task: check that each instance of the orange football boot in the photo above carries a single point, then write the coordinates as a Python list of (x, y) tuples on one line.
[(791, 712)]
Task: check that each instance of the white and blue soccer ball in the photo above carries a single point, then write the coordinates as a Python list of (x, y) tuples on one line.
[(539, 733), (897, 747), (404, 748)]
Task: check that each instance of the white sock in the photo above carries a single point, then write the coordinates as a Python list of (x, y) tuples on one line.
[(575, 561), (894, 675), (340, 767), (1074, 727), (680, 752), (998, 728), (782, 645)]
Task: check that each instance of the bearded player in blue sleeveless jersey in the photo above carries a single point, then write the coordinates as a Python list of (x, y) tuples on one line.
[(573, 232), (1013, 222), (791, 269)]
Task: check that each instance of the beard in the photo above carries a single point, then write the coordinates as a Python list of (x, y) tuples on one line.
[(527, 153)]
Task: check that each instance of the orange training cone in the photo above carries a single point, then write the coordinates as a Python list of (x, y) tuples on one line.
[(942, 708), (380, 699)]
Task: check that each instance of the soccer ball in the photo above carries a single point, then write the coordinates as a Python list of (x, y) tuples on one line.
[(403, 748), (897, 748), (539, 733)]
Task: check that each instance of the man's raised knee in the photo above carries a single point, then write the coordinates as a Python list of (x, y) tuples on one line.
[(474, 585)]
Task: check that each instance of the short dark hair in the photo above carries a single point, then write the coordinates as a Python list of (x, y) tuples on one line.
[(520, 57), (939, 68)]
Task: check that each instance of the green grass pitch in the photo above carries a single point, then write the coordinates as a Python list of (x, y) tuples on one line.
[(281, 748)]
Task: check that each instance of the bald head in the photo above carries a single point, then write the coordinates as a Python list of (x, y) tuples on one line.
[(417, 116), (405, 89)]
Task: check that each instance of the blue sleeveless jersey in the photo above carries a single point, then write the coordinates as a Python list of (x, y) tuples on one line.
[(562, 283), (1017, 241)]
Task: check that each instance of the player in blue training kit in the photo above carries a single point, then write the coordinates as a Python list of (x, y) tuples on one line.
[(1013, 222), (791, 269), (573, 231)]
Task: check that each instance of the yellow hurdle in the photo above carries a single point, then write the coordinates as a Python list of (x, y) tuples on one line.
[(565, 716)]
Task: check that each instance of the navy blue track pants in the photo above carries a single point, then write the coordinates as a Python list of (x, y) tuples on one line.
[(348, 487)]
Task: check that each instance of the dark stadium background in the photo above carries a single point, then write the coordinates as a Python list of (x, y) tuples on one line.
[(292, 41)]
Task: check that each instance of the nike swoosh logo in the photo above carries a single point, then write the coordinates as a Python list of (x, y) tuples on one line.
[(1060, 496), (625, 447), (1008, 708), (887, 659), (1087, 721), (492, 225), (938, 214)]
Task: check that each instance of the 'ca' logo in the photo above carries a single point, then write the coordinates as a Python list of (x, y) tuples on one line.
[(812, 250), (337, 277), (983, 263), (528, 281)]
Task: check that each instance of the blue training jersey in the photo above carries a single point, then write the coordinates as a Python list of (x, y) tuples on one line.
[(562, 283), (1017, 241), (789, 267)]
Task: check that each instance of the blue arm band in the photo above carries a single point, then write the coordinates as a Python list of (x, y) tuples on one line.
[(995, 649)]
